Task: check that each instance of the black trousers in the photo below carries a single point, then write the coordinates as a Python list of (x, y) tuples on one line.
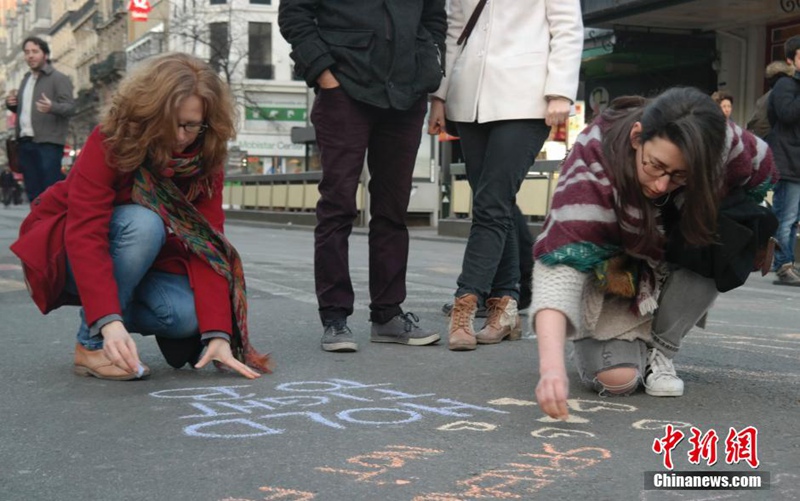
[(347, 130), (498, 156)]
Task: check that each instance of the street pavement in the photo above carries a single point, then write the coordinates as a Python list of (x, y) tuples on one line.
[(388, 422)]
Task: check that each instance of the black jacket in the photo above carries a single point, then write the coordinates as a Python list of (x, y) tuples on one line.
[(387, 53), (784, 116)]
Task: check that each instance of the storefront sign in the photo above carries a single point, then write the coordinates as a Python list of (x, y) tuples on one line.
[(264, 145), (275, 112)]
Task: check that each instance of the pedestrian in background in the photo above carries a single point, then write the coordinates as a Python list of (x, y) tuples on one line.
[(43, 105), (135, 232), (372, 64), (758, 123), (512, 73), (7, 186), (784, 117), (725, 102), (643, 185)]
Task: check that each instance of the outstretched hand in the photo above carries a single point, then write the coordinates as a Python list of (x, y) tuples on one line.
[(220, 350)]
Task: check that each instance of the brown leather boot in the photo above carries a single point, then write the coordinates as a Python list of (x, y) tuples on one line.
[(462, 336), (95, 363), (502, 321)]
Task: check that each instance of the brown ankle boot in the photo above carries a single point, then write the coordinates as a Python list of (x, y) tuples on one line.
[(462, 336), (502, 321)]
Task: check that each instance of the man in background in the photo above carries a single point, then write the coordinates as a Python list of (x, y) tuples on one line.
[(784, 116), (43, 104)]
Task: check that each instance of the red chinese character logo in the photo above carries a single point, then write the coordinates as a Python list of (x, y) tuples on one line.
[(665, 445), (742, 446), (703, 447)]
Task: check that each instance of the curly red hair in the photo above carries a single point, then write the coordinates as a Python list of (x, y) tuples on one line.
[(141, 120)]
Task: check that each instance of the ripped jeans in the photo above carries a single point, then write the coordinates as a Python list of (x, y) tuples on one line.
[(685, 298)]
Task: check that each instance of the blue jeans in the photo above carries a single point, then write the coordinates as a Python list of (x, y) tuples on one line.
[(786, 205), (685, 298), (42, 164), (498, 156), (153, 302)]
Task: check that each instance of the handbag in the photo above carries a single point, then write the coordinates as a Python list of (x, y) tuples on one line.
[(473, 20), (744, 244), (12, 147)]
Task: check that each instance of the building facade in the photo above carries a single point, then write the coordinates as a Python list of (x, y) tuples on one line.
[(643, 46), (240, 38)]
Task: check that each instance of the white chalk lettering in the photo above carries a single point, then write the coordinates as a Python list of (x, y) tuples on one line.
[(325, 386), (455, 406), (347, 416), (400, 394), (235, 412), (207, 411), (215, 393), (351, 397), (194, 430), (314, 400)]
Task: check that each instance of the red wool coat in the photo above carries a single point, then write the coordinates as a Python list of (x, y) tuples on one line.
[(72, 218)]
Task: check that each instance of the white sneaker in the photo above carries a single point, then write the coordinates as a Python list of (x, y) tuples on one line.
[(660, 379)]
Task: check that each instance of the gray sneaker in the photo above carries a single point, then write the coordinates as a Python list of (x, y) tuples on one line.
[(402, 329), (787, 275), (338, 337)]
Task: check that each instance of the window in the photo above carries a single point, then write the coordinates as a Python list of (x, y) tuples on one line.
[(259, 55), (219, 45), (218, 2), (262, 2)]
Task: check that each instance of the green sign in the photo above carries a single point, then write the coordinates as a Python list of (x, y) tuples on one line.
[(275, 114)]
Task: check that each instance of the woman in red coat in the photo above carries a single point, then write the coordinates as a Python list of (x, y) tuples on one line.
[(135, 233)]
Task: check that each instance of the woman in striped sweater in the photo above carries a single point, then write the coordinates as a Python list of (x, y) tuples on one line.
[(643, 175)]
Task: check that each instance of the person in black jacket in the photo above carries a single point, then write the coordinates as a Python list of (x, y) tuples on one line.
[(372, 64), (784, 139), (758, 123)]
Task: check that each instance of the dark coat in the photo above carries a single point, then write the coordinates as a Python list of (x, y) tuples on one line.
[(73, 216), (386, 53), (784, 116), (744, 228)]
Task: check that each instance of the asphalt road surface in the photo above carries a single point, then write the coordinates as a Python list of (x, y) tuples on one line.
[(388, 422)]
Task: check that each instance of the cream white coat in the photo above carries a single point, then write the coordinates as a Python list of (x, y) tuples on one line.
[(519, 52)]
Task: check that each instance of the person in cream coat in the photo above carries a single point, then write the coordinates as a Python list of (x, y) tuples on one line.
[(514, 77)]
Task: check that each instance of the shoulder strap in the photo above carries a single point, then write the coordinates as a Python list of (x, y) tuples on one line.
[(473, 19)]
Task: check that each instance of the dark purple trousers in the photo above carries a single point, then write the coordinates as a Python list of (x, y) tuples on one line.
[(347, 130)]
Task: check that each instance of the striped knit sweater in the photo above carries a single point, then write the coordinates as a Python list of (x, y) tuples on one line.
[(582, 232)]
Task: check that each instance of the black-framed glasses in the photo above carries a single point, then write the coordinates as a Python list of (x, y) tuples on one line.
[(194, 128), (678, 177)]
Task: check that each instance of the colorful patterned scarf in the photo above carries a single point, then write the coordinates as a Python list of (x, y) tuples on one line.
[(162, 195)]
